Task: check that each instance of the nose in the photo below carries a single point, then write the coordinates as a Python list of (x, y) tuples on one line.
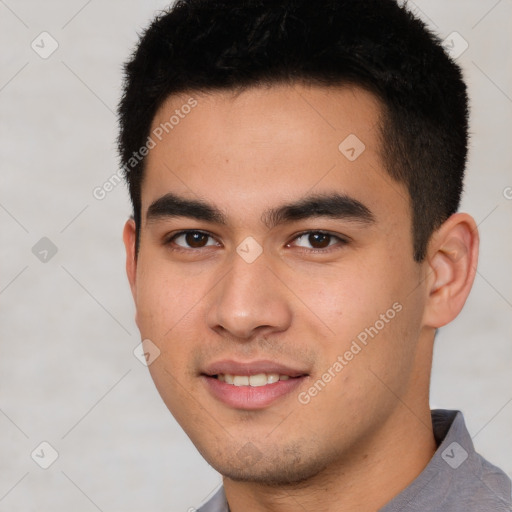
[(250, 300)]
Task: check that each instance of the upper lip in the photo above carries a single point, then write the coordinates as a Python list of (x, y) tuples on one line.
[(248, 368)]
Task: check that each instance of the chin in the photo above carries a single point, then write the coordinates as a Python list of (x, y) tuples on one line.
[(279, 470)]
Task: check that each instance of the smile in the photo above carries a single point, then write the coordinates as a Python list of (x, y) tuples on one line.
[(251, 385), (260, 379)]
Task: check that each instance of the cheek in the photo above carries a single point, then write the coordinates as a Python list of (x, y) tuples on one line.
[(346, 298), (168, 303), (365, 366), (165, 298), (165, 310), (174, 386), (372, 319)]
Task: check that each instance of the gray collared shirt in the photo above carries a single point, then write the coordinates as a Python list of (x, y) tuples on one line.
[(457, 479)]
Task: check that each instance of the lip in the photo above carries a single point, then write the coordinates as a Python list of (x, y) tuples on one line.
[(248, 397), (251, 368)]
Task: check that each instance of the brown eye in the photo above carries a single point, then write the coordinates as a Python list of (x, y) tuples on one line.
[(196, 239), (192, 240), (318, 240)]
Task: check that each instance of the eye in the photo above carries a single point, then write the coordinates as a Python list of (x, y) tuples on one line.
[(192, 239), (317, 240)]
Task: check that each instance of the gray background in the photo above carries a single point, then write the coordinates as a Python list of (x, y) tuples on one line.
[(68, 375)]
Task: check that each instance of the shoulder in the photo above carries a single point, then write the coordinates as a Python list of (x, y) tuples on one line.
[(481, 486), (217, 503), (457, 479)]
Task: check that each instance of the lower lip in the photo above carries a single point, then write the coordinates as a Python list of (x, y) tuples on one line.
[(248, 397)]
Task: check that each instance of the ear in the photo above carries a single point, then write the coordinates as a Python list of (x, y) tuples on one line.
[(452, 258), (129, 237)]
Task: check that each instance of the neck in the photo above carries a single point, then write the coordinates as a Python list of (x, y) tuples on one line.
[(365, 480)]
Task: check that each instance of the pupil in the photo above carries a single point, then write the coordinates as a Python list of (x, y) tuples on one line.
[(319, 240), (196, 239)]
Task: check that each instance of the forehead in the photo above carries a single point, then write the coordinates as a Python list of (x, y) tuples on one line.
[(303, 116), (266, 145)]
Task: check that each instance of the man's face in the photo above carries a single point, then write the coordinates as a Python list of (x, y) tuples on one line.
[(288, 337)]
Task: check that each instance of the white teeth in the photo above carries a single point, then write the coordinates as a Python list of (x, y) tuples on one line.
[(258, 380), (241, 380), (274, 377), (261, 379)]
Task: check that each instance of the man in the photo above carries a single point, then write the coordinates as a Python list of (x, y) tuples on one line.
[(295, 170)]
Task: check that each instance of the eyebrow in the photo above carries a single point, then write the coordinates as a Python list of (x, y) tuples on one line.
[(336, 206)]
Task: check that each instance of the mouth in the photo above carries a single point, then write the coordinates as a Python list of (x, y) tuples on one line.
[(252, 385), (255, 381)]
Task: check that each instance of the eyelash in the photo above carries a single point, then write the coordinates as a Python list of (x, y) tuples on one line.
[(341, 241)]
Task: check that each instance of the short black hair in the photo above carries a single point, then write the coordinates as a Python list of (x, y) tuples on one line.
[(379, 45)]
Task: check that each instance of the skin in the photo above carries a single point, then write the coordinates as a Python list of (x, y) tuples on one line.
[(246, 153)]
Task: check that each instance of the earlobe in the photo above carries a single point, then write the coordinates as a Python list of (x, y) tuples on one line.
[(129, 239), (452, 258)]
